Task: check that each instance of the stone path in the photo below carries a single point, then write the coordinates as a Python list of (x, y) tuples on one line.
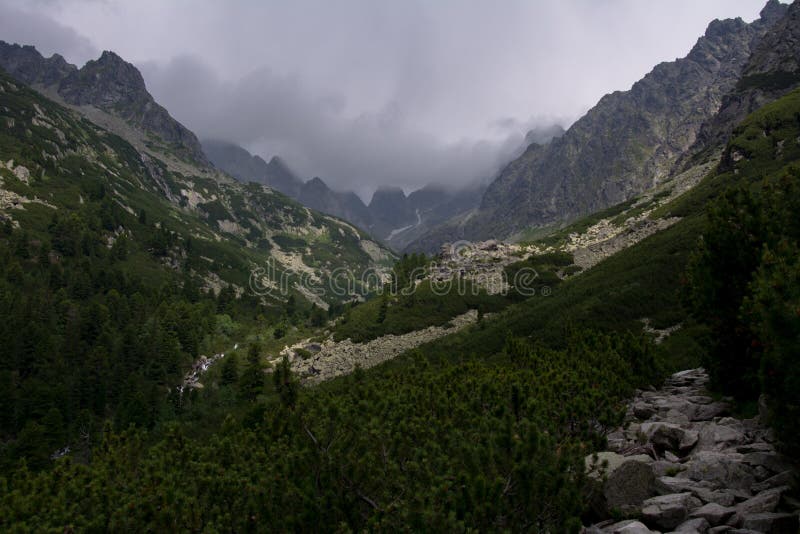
[(681, 464)]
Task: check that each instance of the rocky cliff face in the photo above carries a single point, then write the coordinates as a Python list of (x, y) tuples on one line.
[(109, 84), (772, 70), (246, 167), (627, 144)]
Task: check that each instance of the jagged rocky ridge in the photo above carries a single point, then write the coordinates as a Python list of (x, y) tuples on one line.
[(108, 83), (772, 71), (626, 144), (391, 215)]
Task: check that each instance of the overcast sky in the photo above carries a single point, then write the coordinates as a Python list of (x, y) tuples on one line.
[(365, 92)]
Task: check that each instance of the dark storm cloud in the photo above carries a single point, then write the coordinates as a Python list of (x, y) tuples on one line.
[(273, 114), (23, 27), (367, 93)]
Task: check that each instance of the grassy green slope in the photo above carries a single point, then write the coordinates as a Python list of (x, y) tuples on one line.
[(226, 227), (646, 280)]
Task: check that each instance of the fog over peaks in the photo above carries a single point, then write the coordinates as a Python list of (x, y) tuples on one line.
[(365, 93)]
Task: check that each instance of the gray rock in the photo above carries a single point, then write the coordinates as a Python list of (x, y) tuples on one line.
[(722, 497), (667, 511), (756, 446), (697, 524), (787, 478), (771, 461), (664, 468), (766, 501), (666, 485), (624, 483), (706, 412), (772, 523), (715, 437), (628, 527), (670, 436), (643, 410), (720, 470), (714, 513), (719, 529)]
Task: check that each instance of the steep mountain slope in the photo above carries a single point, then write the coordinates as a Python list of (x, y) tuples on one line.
[(314, 193), (246, 167), (219, 229), (109, 84), (772, 70), (391, 216), (626, 144)]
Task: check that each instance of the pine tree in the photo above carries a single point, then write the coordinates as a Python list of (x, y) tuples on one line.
[(251, 383), (286, 384), (230, 370)]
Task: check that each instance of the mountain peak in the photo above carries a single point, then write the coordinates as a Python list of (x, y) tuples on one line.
[(108, 83), (773, 11)]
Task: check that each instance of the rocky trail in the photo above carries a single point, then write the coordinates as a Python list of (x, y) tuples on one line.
[(682, 464)]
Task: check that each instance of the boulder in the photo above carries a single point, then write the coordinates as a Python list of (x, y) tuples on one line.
[(715, 437), (666, 485), (719, 470), (714, 513), (667, 511), (697, 524), (723, 497), (787, 478), (707, 412), (628, 527), (766, 501), (622, 485), (663, 468), (772, 523), (643, 410), (771, 461), (669, 436), (719, 529)]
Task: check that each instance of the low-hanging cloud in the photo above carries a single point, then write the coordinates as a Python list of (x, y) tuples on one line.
[(278, 115), (50, 37), (366, 93)]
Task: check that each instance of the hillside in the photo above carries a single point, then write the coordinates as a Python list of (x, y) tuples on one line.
[(248, 224)]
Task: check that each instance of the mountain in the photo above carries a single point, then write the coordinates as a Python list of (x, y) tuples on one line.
[(772, 70), (219, 229), (626, 144), (108, 84), (246, 167), (391, 216)]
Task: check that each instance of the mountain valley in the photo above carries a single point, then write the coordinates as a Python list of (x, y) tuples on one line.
[(602, 338)]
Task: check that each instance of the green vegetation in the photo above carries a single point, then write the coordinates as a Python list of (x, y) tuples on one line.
[(483, 430), (483, 443), (744, 273), (427, 305)]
